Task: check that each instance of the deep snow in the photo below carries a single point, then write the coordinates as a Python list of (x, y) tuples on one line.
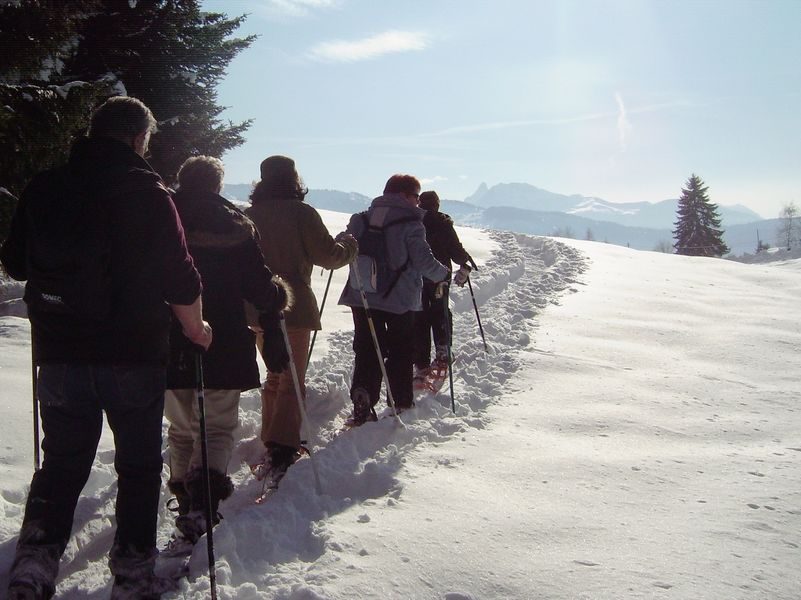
[(634, 432)]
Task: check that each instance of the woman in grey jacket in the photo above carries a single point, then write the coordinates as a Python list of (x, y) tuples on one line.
[(392, 311)]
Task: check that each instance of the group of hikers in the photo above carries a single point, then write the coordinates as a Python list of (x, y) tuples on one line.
[(130, 283)]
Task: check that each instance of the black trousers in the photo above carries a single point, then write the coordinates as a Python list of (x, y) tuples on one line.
[(431, 320), (73, 398), (395, 339)]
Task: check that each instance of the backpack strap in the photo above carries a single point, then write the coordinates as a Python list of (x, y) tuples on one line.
[(405, 265)]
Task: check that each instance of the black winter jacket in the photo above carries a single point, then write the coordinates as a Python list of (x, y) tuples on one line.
[(149, 263), (224, 246), (442, 238)]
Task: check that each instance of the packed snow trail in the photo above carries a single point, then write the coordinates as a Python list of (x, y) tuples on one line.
[(357, 467)]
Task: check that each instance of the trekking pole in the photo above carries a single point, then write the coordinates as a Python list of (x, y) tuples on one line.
[(322, 306), (304, 417), (378, 354), (478, 317), (34, 376), (201, 406), (449, 343)]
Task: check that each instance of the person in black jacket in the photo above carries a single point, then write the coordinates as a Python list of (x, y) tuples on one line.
[(111, 359), (447, 248), (223, 243)]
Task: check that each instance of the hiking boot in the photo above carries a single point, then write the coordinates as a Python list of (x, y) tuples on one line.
[(148, 588), (21, 590), (279, 459), (362, 409), (192, 526), (35, 567), (439, 368), (220, 488), (399, 408), (420, 373), (134, 578), (180, 502)]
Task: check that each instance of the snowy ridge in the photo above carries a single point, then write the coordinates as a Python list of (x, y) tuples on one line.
[(636, 439), (285, 548)]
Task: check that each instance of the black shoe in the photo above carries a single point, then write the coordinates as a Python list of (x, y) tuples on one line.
[(34, 570), (141, 588), (280, 458), (399, 408), (21, 590), (362, 408), (181, 501)]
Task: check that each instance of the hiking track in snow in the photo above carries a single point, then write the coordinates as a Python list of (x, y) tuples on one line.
[(357, 467)]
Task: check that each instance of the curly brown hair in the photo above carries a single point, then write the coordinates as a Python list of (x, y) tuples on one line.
[(279, 179)]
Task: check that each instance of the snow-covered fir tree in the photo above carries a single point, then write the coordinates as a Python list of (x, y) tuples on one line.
[(698, 231), (170, 55), (167, 53)]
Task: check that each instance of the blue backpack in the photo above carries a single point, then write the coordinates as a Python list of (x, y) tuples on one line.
[(377, 274)]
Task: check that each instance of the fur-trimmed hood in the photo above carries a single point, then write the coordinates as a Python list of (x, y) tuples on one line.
[(211, 221)]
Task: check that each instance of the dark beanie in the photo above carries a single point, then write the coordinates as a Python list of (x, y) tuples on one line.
[(429, 201), (277, 167)]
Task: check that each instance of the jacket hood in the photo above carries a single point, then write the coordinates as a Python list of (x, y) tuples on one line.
[(397, 201), (108, 164), (436, 219), (211, 221)]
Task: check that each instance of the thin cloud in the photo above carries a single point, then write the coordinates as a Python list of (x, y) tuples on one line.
[(412, 139), (433, 180), (623, 124), (389, 42), (294, 8)]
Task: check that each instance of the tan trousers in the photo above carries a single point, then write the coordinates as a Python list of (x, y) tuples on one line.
[(183, 436), (280, 415)]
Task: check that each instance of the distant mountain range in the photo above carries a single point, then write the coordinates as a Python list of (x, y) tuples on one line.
[(524, 208), (634, 214)]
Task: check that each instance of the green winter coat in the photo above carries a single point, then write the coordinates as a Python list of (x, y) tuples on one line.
[(293, 240)]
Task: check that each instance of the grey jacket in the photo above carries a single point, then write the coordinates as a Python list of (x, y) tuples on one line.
[(405, 240)]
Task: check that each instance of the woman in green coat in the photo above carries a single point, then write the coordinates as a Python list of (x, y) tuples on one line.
[(293, 240)]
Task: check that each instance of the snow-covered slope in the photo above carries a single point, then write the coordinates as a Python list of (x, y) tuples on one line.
[(633, 432)]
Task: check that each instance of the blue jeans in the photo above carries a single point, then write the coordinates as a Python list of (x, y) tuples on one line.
[(72, 399)]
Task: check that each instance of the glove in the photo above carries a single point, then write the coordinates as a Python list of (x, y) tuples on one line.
[(273, 349), (349, 242), (441, 289), (460, 278)]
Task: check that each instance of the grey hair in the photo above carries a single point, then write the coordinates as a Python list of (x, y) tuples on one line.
[(201, 173), (121, 118)]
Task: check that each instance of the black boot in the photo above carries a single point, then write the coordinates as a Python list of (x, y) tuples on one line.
[(181, 498), (280, 458), (193, 524)]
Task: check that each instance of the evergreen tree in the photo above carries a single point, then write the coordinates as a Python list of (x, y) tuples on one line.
[(38, 125), (787, 231), (39, 121), (37, 36), (167, 53), (698, 231), (171, 56)]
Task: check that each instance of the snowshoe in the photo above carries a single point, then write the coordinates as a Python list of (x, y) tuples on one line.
[(437, 374), (419, 379)]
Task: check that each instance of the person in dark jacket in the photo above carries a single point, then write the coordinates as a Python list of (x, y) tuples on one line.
[(447, 249), (223, 243), (112, 362), (392, 312)]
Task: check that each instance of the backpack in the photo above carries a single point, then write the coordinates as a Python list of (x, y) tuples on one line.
[(377, 274), (68, 249)]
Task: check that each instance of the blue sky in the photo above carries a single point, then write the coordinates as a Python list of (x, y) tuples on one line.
[(617, 99)]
